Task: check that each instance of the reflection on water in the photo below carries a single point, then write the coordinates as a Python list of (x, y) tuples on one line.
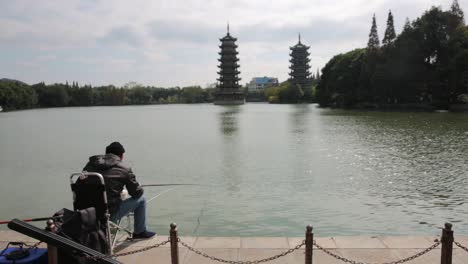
[(299, 129), (228, 119), (272, 169), (299, 121), (230, 149), (406, 160)]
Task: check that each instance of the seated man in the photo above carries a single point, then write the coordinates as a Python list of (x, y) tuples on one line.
[(116, 176)]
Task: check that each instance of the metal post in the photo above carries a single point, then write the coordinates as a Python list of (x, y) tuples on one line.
[(309, 243), (447, 244), (52, 254), (174, 244)]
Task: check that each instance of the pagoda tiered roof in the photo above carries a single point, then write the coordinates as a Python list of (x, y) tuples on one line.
[(299, 67), (299, 46), (228, 89), (228, 45), (228, 52), (228, 37), (228, 72), (226, 59), (300, 60)]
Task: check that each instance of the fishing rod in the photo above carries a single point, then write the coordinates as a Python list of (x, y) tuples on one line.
[(33, 219), (145, 185), (173, 184)]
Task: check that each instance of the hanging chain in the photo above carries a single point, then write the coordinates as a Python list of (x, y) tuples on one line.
[(129, 252), (36, 244), (242, 262), (460, 246), (393, 262)]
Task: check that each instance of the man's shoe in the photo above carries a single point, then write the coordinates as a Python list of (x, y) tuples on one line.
[(144, 235)]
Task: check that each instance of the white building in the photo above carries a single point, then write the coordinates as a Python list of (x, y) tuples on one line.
[(258, 84)]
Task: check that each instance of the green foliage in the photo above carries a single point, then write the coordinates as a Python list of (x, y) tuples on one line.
[(463, 98), (390, 34), (374, 42), (407, 26), (193, 95), (272, 94), (286, 92), (139, 95), (339, 76), (16, 95), (55, 95), (457, 12), (256, 96), (426, 66)]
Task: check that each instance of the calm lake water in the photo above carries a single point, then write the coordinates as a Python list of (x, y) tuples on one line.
[(269, 170)]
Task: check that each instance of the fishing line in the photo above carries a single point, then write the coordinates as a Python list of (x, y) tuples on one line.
[(156, 196), (202, 211)]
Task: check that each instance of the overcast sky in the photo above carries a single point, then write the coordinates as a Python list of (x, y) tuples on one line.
[(175, 42)]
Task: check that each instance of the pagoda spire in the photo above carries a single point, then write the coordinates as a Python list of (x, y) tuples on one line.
[(228, 90), (300, 68)]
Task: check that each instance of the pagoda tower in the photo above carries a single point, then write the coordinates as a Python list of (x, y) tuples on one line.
[(300, 69), (228, 91)]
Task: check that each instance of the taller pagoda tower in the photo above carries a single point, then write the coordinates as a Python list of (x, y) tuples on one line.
[(228, 91), (300, 69)]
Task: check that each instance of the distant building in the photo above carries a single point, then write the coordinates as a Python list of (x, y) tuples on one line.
[(258, 84)]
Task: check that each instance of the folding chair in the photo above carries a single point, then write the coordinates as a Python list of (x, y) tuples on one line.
[(89, 190)]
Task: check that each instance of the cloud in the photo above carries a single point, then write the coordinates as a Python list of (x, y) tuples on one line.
[(182, 31), (175, 42), (123, 35)]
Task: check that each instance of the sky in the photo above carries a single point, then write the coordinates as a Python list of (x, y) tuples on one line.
[(168, 43)]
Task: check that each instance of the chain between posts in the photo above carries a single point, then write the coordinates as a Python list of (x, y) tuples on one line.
[(436, 244), (129, 252), (176, 239), (33, 246), (239, 261), (460, 246)]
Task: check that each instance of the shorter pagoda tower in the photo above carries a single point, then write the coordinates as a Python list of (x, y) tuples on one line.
[(228, 91), (300, 69)]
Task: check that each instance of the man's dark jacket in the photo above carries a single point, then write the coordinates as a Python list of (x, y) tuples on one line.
[(116, 176)]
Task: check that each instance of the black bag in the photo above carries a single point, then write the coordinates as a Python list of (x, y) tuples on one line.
[(82, 227)]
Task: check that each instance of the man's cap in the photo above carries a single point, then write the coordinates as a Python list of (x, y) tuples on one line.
[(115, 148)]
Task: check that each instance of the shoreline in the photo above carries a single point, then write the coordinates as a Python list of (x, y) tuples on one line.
[(362, 248), (456, 108)]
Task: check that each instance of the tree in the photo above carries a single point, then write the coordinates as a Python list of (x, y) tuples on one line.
[(16, 95), (456, 11), (374, 42), (54, 95), (339, 84), (192, 94), (407, 25), (140, 95), (390, 34)]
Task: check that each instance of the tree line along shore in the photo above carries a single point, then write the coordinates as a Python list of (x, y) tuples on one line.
[(424, 67), (15, 95)]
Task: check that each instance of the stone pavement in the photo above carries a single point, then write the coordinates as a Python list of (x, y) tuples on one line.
[(362, 248)]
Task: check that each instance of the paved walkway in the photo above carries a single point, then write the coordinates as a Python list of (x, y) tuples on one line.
[(365, 249)]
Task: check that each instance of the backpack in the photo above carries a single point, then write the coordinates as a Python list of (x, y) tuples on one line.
[(82, 227)]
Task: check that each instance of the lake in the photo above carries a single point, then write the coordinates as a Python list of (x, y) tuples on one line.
[(265, 170)]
